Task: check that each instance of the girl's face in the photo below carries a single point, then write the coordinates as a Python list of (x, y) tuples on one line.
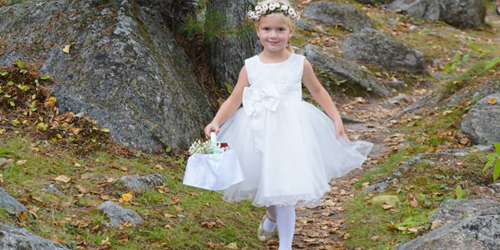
[(273, 33)]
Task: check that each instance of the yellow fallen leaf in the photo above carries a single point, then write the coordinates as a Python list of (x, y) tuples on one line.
[(435, 224), (51, 102), (66, 48), (126, 197), (20, 162), (127, 224), (23, 216), (63, 178), (492, 101)]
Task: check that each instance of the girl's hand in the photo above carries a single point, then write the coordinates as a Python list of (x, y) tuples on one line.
[(211, 127), (339, 131)]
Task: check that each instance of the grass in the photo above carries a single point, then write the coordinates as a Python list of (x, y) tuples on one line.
[(176, 219)]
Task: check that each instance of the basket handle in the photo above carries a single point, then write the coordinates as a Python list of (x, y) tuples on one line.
[(213, 138)]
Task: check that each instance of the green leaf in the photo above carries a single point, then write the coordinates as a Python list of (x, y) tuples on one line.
[(5, 73), (7, 95), (1, 90), (12, 104), (229, 87), (496, 170), (456, 57), (14, 122), (44, 77), (20, 64), (465, 58), (497, 147), (10, 83), (459, 192), (168, 149), (491, 158), (37, 83)]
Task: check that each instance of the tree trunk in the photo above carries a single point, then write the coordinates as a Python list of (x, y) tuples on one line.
[(226, 54)]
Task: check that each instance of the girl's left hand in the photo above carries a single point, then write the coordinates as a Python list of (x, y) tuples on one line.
[(339, 131)]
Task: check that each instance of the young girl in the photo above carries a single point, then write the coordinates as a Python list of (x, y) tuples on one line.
[(289, 150)]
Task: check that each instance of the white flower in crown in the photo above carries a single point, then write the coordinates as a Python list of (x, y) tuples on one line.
[(284, 7), (276, 5), (272, 7), (257, 8), (291, 11), (264, 7), (293, 15)]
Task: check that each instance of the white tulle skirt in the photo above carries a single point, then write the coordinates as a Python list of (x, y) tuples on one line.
[(298, 157)]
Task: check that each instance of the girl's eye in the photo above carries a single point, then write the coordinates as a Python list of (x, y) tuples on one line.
[(281, 29), (266, 29)]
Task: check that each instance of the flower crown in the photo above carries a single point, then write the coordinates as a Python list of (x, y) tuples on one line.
[(266, 9)]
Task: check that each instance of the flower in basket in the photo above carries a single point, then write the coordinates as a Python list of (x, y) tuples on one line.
[(208, 147)]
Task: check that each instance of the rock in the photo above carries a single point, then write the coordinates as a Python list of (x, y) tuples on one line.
[(482, 122), (141, 183), (124, 67), (454, 210), (422, 9), (5, 162), (477, 92), (377, 187), (119, 215), (400, 85), (301, 24), (373, 2), (334, 13), (385, 198), (480, 230), (463, 13), (373, 47), (51, 188), (12, 238), (457, 13), (344, 70), (226, 54), (11, 205)]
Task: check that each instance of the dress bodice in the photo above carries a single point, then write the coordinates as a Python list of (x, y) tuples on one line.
[(286, 75)]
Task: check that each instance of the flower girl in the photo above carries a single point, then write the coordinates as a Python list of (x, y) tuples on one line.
[(288, 149)]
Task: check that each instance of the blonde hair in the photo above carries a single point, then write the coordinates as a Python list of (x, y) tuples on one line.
[(288, 20)]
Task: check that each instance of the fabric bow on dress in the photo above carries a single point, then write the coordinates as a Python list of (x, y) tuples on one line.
[(255, 101)]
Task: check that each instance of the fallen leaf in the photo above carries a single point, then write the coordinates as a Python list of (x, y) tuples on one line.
[(435, 224), (127, 197), (51, 102), (20, 162), (66, 48), (492, 100), (127, 224), (63, 178), (81, 189)]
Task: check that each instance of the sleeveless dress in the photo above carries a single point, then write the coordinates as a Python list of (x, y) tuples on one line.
[(286, 146)]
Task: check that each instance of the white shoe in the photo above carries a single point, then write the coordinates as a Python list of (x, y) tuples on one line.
[(262, 234)]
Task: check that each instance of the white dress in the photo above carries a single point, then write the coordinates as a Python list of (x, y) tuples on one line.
[(286, 146)]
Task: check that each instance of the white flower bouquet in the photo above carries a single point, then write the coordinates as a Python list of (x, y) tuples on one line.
[(212, 165)]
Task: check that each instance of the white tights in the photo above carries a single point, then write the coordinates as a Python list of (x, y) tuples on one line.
[(285, 218)]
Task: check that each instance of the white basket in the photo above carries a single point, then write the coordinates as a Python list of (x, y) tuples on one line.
[(216, 171)]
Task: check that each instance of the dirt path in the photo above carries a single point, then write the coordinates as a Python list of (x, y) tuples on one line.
[(324, 227)]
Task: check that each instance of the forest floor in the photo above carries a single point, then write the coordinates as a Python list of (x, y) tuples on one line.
[(76, 156)]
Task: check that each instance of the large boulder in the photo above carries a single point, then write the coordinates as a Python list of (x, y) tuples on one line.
[(335, 13), (370, 46), (457, 13), (422, 9), (11, 205), (462, 13), (344, 70), (473, 225), (482, 122), (13, 238), (124, 67), (226, 53)]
